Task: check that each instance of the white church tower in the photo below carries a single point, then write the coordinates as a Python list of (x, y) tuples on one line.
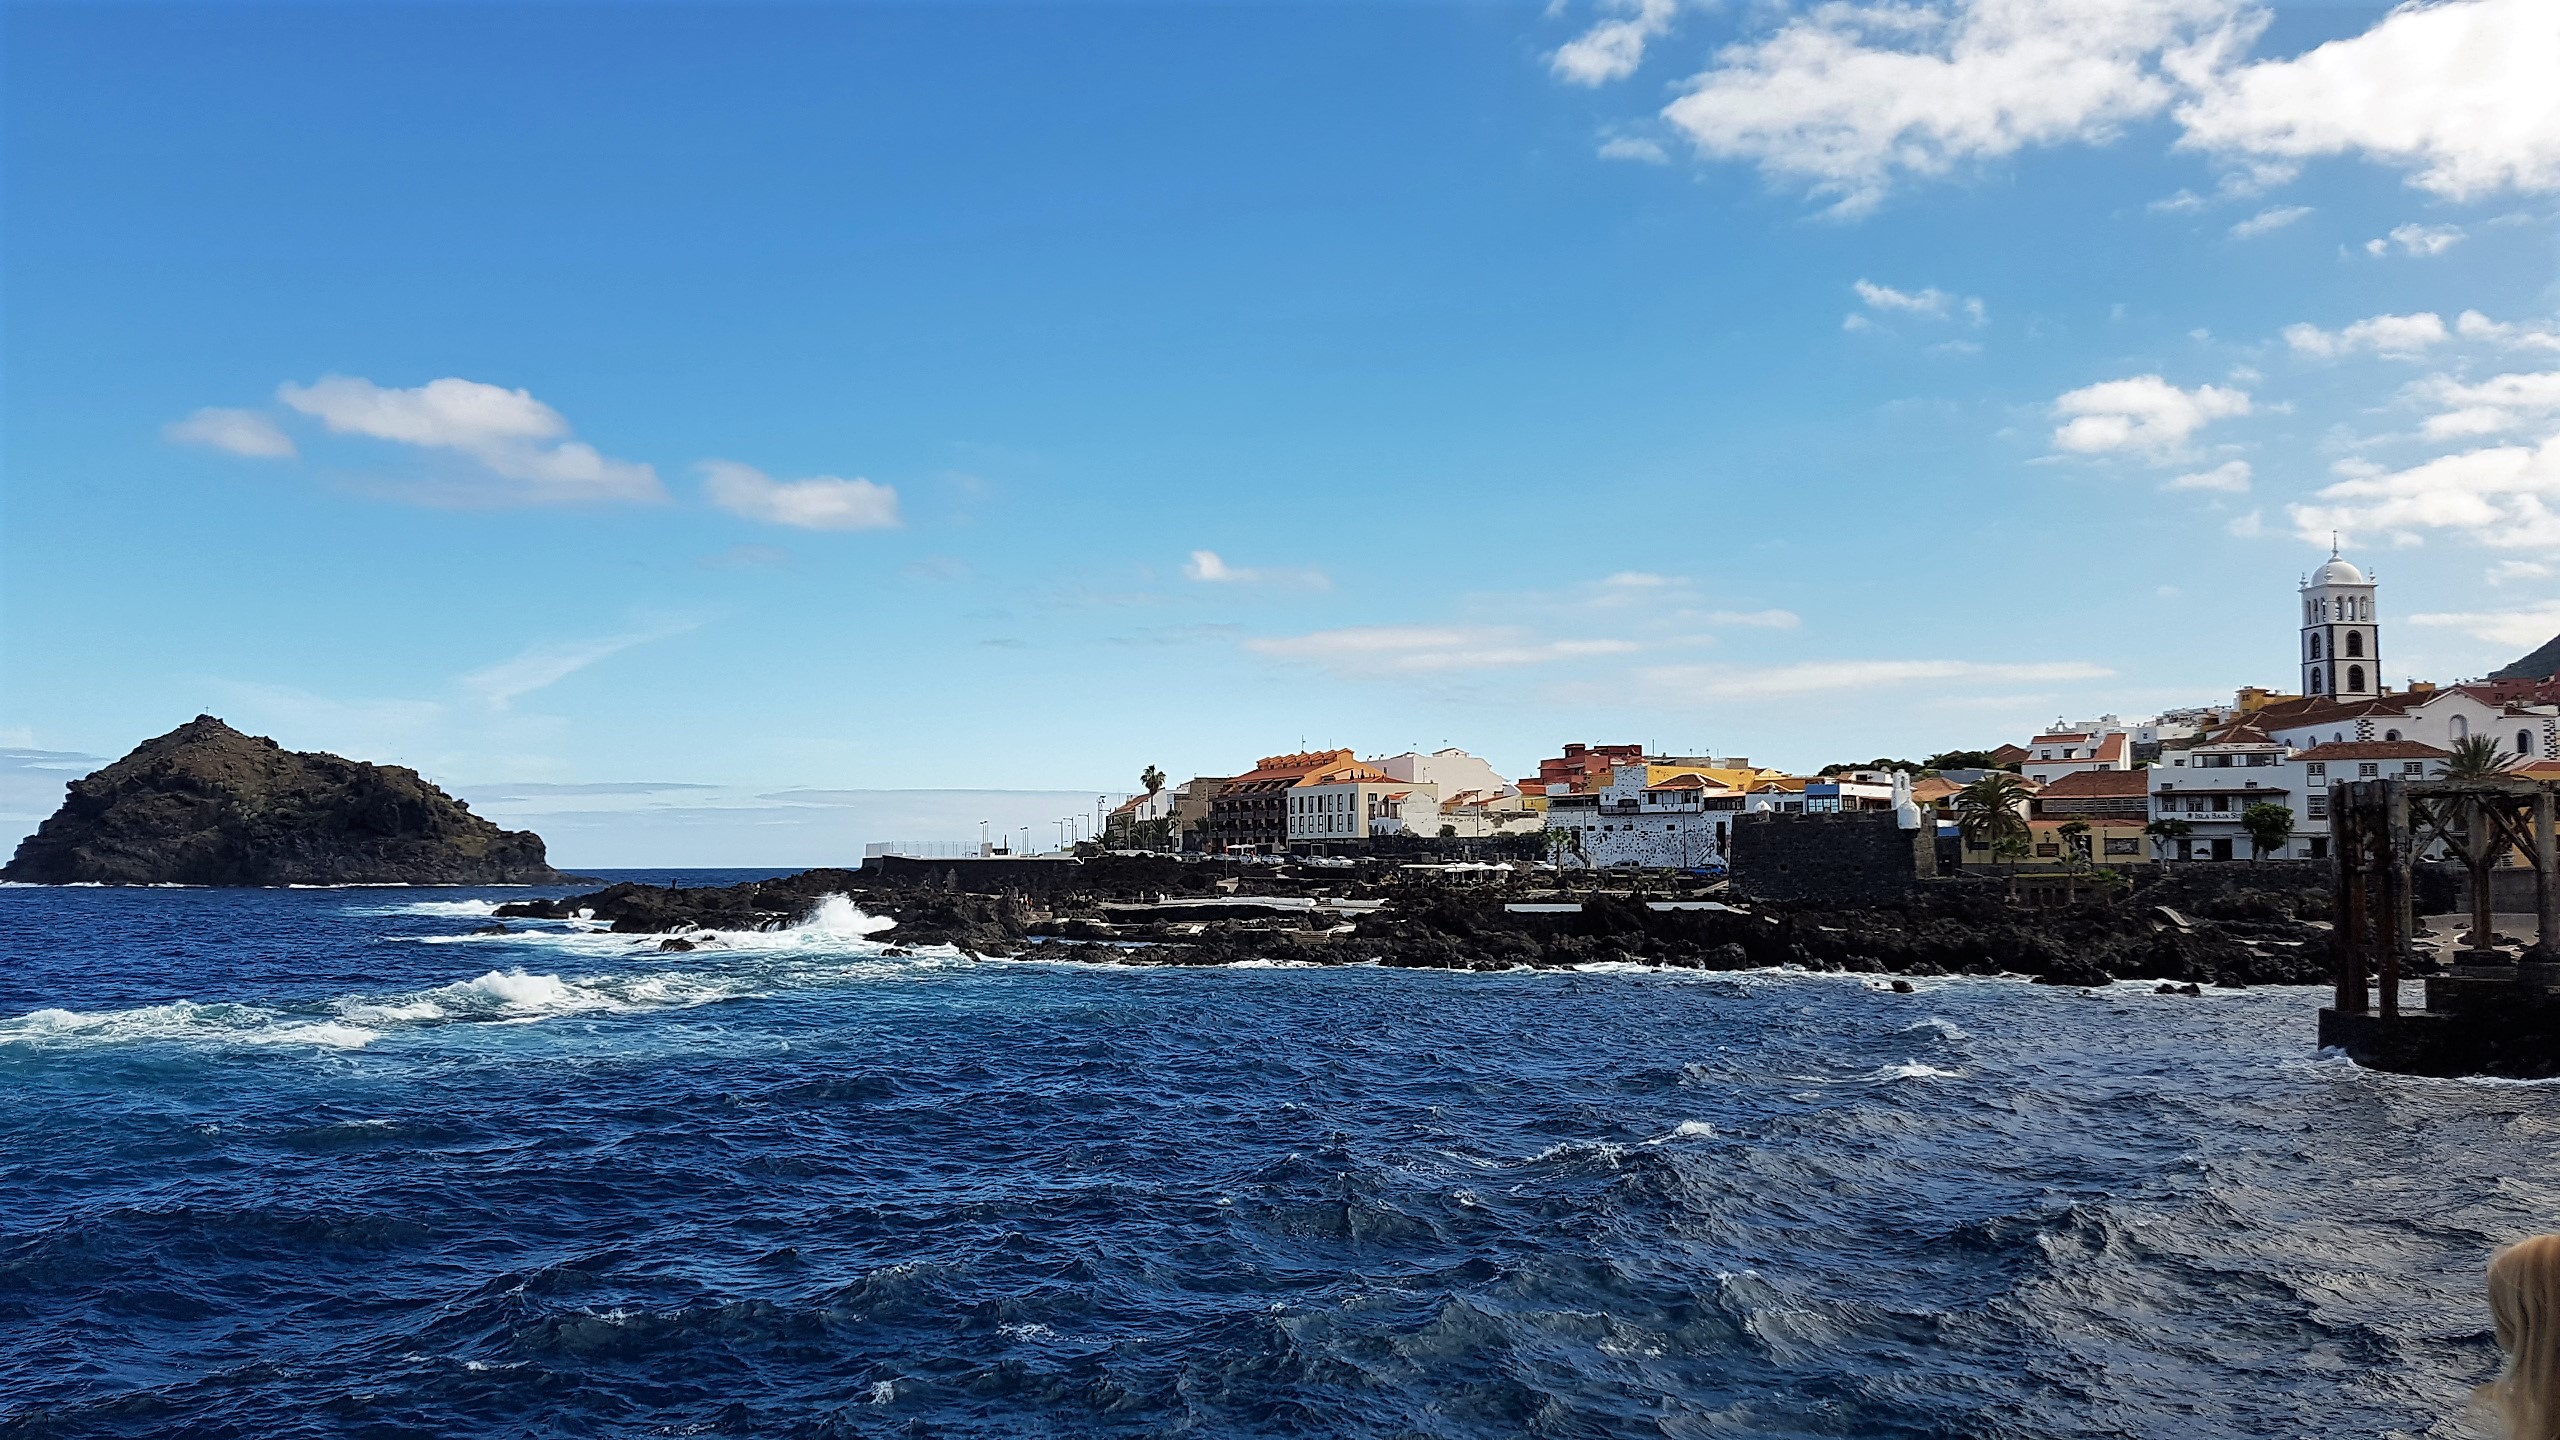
[(2341, 641)]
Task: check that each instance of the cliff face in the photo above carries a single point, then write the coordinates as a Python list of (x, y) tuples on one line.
[(207, 805)]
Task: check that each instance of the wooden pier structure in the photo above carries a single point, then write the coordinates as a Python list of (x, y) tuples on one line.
[(2495, 1010)]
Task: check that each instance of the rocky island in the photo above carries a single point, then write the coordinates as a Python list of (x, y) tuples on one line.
[(208, 805)]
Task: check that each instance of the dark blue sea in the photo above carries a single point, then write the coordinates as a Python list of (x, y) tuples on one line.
[(322, 1163)]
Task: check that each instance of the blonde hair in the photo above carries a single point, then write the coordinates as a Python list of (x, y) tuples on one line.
[(2524, 1300)]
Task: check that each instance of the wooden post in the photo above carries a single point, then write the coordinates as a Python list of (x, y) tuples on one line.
[(2352, 853), (2546, 859), (2480, 852), (2399, 923)]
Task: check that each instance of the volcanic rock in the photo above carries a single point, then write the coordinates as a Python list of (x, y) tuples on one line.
[(207, 805)]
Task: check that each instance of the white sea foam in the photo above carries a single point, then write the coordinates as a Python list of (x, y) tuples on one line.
[(1686, 1130), (1945, 1029), (452, 909), (1913, 1072), (179, 1021)]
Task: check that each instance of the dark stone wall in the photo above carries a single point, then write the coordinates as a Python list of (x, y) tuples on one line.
[(1854, 857)]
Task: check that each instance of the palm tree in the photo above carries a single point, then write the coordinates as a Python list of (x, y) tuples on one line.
[(1152, 779), (1988, 813), (2477, 757)]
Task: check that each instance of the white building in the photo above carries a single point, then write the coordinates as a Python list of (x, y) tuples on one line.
[(1684, 822), (2057, 753), (1449, 772), (1354, 802), (2212, 785)]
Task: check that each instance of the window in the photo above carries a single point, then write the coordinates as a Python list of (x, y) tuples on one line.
[(2460, 727), (2123, 845), (2390, 734), (2368, 769), (2319, 807), (2315, 646), (2317, 769), (2524, 744), (2048, 849), (2195, 804), (2355, 679), (2412, 767), (2355, 646), (2315, 682), (2221, 804)]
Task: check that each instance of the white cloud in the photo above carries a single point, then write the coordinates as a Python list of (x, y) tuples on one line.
[(2274, 217), (2416, 239), (515, 436), (2500, 403), (1634, 147), (2396, 337), (2461, 92), (2144, 413), (1210, 568), (2522, 628), (1817, 677), (1930, 301), (2231, 477), (1755, 619), (500, 685), (2472, 325), (822, 502), (2508, 571), (1205, 566), (2504, 497), (2249, 526), (1417, 649), (242, 432), (1612, 49), (1848, 98)]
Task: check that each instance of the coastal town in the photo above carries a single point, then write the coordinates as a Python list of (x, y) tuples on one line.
[(2247, 779)]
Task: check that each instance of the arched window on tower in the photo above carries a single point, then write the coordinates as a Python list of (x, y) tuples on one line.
[(2315, 682), (2524, 744), (2315, 647), (2355, 679), (2355, 645)]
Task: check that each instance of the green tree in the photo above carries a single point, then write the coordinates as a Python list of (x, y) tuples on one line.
[(1959, 760), (2269, 826), (1152, 778), (2166, 828), (1989, 814), (2075, 834), (2477, 757)]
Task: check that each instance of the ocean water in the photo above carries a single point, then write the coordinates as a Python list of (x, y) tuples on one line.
[(319, 1162)]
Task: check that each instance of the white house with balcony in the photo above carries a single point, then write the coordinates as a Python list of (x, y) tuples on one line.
[(1683, 823), (2212, 785), (2057, 753)]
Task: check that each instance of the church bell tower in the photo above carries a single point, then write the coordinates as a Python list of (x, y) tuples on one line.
[(2341, 639)]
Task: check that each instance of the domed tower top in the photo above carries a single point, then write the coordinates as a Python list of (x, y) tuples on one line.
[(2341, 652)]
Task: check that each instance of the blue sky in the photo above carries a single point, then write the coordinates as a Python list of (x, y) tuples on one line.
[(802, 404)]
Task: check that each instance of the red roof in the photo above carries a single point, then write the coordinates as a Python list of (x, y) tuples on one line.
[(2099, 784), (2374, 750)]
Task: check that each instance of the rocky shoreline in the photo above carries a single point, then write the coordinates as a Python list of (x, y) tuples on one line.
[(2245, 936)]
